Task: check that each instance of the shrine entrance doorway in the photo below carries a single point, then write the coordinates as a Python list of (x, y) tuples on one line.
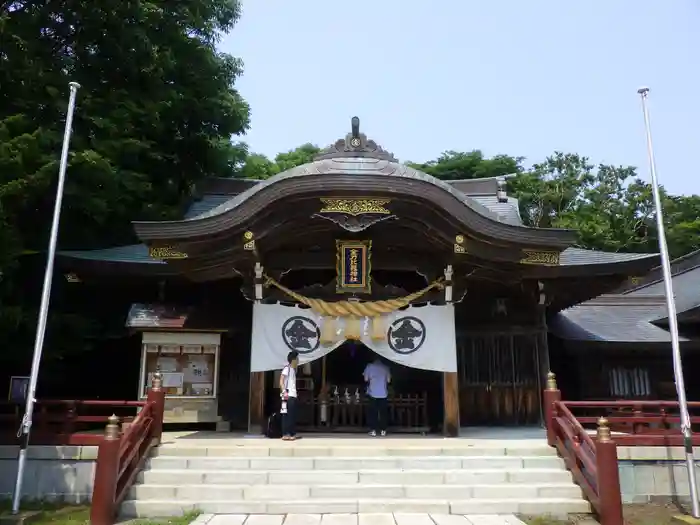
[(332, 394)]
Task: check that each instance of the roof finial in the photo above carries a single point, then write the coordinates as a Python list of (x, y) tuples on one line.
[(355, 144), (355, 123)]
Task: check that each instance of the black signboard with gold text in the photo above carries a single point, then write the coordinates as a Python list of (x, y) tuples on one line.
[(354, 266)]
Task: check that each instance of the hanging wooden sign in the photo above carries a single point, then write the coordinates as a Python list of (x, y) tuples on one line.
[(353, 266)]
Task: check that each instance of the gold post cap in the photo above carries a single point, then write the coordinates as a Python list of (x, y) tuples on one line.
[(112, 428), (603, 433), (157, 380), (552, 381)]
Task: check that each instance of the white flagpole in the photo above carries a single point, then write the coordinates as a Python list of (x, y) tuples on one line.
[(672, 321), (25, 429)]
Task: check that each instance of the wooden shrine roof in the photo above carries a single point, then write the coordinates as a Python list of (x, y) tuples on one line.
[(638, 314), (282, 223)]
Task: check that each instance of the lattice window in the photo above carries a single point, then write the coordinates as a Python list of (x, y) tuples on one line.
[(629, 382)]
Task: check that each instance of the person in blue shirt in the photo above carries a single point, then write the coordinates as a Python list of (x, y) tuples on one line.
[(377, 376)]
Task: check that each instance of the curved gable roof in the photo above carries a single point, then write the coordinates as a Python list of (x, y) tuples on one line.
[(345, 175), (357, 162)]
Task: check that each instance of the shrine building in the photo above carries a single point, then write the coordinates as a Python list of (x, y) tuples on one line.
[(350, 256)]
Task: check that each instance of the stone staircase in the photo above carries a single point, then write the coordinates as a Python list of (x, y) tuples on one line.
[(331, 475)]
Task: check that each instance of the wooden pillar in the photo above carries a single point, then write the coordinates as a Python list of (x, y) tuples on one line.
[(450, 398), (551, 396), (104, 492), (608, 476), (256, 407)]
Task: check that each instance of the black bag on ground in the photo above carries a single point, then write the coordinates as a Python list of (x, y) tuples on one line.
[(274, 426)]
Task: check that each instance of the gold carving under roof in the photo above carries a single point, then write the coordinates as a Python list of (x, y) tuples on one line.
[(546, 258), (354, 207), (165, 252), (249, 244), (459, 244)]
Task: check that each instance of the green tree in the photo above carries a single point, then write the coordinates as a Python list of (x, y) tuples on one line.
[(155, 114), (682, 220), (258, 166), (455, 165)]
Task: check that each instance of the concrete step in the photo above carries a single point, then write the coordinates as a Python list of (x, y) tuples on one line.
[(181, 492), (552, 506), (373, 449), (355, 463), (341, 477)]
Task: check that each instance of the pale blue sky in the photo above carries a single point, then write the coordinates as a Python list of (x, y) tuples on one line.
[(504, 76)]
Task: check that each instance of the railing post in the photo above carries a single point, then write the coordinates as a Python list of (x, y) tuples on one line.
[(608, 476), (102, 511), (156, 395), (551, 395)]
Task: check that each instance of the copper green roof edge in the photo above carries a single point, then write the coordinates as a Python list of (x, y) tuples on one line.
[(138, 254), (582, 257), (131, 254)]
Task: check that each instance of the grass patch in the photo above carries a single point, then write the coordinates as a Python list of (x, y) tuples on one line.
[(637, 514), (544, 520), (63, 514)]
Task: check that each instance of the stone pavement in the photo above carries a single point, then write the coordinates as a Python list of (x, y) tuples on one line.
[(355, 519)]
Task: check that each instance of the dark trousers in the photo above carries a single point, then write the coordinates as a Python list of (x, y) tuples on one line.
[(377, 413), (289, 420)]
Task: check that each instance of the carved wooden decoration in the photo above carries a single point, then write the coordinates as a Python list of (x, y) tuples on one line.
[(545, 258), (165, 252), (249, 241), (354, 207), (354, 214), (354, 224), (460, 244), (355, 144)]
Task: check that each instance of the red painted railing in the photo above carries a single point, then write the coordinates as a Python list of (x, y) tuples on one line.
[(592, 461), (65, 422), (586, 435), (638, 423), (121, 455)]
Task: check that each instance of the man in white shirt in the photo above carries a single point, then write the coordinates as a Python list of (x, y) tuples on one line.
[(288, 390), (377, 376)]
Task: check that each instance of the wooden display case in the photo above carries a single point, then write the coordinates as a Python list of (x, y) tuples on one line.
[(189, 364)]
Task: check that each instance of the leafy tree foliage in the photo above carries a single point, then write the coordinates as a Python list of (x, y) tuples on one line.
[(455, 165), (257, 166), (155, 114)]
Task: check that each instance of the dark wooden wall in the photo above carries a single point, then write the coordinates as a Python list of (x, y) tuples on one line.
[(584, 370)]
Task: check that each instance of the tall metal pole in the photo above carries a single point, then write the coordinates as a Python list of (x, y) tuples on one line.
[(26, 427), (672, 321)]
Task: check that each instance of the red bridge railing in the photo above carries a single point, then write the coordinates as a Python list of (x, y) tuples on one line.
[(122, 452), (586, 435), (65, 422), (122, 455)]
